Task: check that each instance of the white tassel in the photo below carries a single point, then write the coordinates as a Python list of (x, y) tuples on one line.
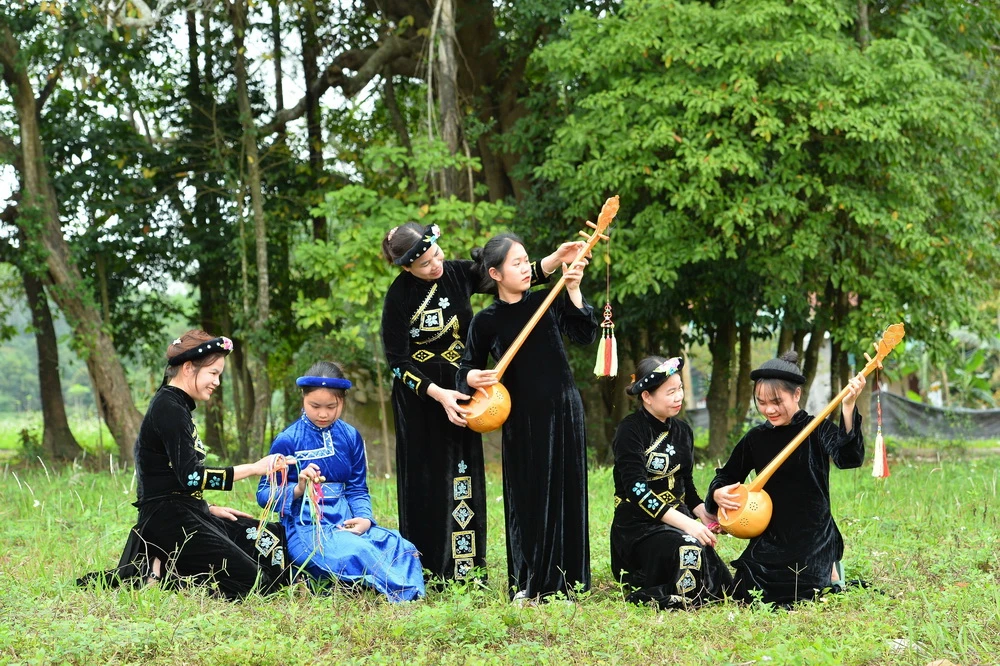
[(880, 470)]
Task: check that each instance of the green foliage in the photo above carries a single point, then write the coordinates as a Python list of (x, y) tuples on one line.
[(755, 143), (359, 216)]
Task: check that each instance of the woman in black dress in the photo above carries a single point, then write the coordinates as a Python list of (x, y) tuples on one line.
[(180, 539), (659, 549), (440, 478), (544, 438), (799, 553)]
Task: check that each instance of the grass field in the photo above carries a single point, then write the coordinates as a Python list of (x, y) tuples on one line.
[(926, 539)]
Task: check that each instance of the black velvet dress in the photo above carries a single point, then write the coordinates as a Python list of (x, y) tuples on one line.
[(440, 480), (544, 441), (664, 565), (174, 525), (793, 558)]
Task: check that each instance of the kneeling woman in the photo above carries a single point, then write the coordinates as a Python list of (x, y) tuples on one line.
[(179, 537), (342, 541), (658, 545)]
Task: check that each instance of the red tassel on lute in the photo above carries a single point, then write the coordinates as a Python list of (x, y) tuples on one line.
[(880, 469)]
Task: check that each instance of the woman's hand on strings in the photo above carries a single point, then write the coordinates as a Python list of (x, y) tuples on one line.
[(480, 379), (727, 498), (564, 254), (356, 525), (310, 474), (449, 401), (227, 513), (854, 388)]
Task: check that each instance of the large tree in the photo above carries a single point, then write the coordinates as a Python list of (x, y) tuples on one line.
[(31, 72), (772, 162)]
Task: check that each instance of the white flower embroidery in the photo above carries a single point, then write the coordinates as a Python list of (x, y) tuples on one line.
[(690, 539), (443, 303), (414, 332), (462, 467), (670, 449)]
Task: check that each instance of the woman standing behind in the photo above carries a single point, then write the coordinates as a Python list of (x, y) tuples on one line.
[(342, 542), (544, 438), (657, 544), (439, 463), (179, 537), (798, 555)]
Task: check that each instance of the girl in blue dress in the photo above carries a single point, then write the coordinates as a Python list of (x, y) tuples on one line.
[(343, 542)]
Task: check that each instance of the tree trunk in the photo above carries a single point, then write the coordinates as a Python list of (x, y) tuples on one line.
[(314, 130), (744, 387), (58, 441), (722, 345), (39, 221), (258, 357), (447, 88), (810, 360)]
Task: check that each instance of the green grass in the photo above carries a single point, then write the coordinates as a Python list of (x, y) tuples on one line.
[(926, 538)]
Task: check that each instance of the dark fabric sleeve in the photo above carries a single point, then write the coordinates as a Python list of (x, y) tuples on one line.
[(629, 445), (577, 324), (396, 342), (356, 488), (284, 445), (736, 470), (478, 343), (691, 497), (846, 449), (538, 276), (176, 430)]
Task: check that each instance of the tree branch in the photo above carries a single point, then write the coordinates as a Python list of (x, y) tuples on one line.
[(50, 84), (366, 62)]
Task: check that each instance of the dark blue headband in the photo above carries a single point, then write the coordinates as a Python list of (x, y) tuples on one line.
[(324, 382), (427, 239), (659, 375)]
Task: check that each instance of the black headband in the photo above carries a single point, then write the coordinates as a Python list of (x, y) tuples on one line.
[(777, 368), (427, 239), (324, 382), (659, 375), (220, 345)]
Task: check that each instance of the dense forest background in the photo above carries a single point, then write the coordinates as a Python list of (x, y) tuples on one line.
[(792, 174)]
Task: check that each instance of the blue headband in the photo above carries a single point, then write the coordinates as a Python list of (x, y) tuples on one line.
[(324, 382)]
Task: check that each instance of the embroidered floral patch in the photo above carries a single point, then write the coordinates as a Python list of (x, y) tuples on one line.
[(690, 557), (462, 486), (463, 514), (194, 478), (463, 565), (463, 544)]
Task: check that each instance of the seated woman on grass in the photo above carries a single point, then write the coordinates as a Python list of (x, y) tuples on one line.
[(798, 555), (336, 537), (662, 543), (179, 538)]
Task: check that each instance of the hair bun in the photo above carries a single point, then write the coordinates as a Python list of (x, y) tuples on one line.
[(476, 254), (791, 356)]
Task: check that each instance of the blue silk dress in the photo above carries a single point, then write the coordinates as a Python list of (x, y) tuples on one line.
[(380, 558)]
